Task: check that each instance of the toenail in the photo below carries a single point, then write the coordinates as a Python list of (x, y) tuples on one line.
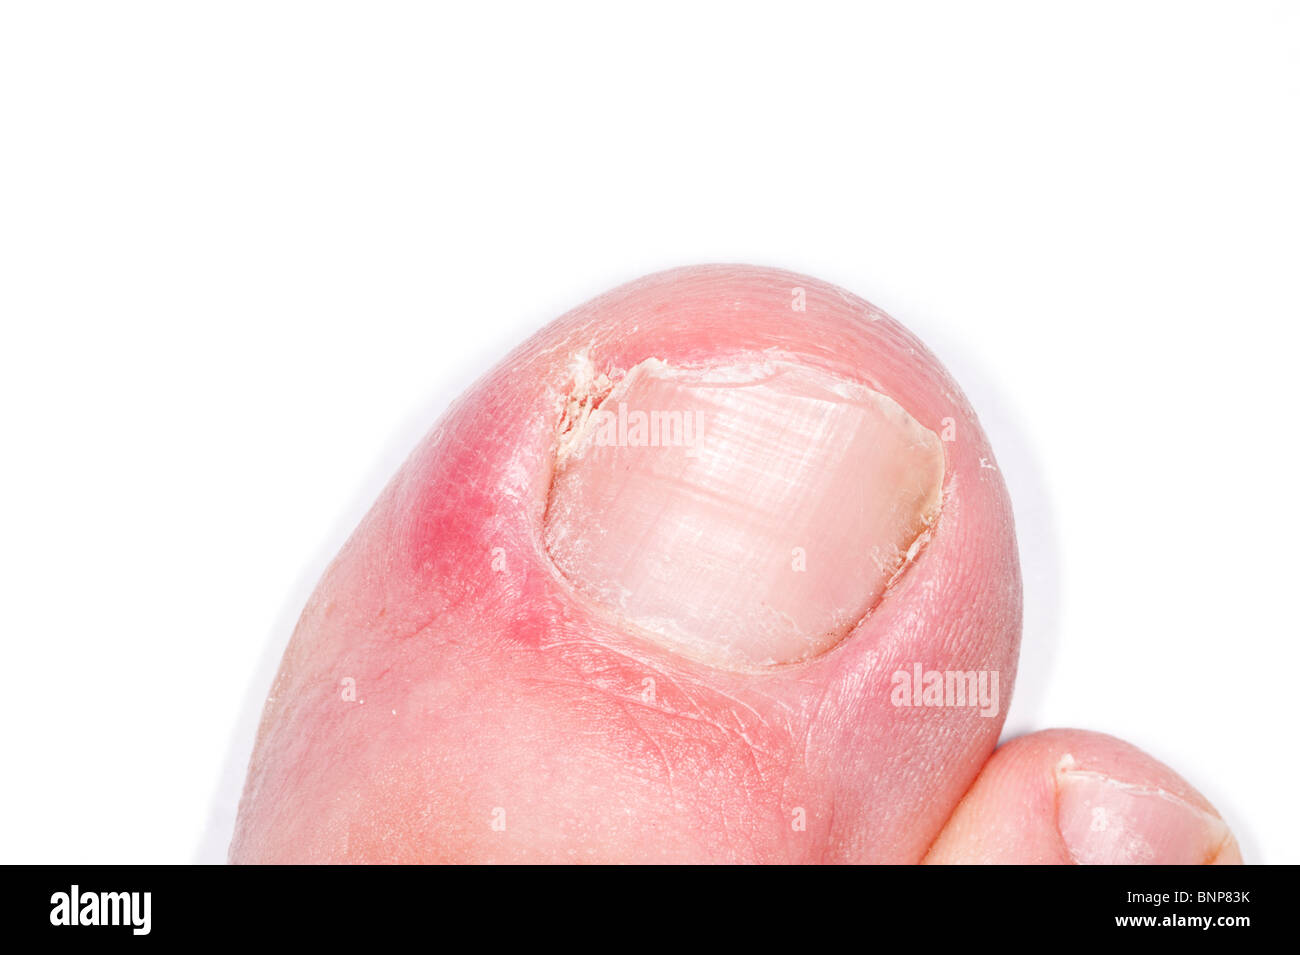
[(1104, 821), (746, 514)]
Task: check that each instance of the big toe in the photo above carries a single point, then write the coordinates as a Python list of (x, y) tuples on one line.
[(717, 567)]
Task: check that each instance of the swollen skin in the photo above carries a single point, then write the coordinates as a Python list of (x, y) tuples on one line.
[(549, 641)]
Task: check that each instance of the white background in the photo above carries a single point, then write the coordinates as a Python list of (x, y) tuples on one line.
[(250, 251)]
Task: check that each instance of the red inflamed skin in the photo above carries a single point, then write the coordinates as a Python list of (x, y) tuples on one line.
[(718, 567)]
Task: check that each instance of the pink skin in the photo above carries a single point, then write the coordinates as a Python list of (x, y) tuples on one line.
[(1018, 811), (494, 692)]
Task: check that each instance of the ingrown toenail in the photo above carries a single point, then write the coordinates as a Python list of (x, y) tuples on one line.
[(746, 514)]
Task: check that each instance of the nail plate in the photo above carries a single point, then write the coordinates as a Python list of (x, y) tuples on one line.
[(747, 514)]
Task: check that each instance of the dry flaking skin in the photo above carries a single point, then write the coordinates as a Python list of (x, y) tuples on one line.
[(748, 513)]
